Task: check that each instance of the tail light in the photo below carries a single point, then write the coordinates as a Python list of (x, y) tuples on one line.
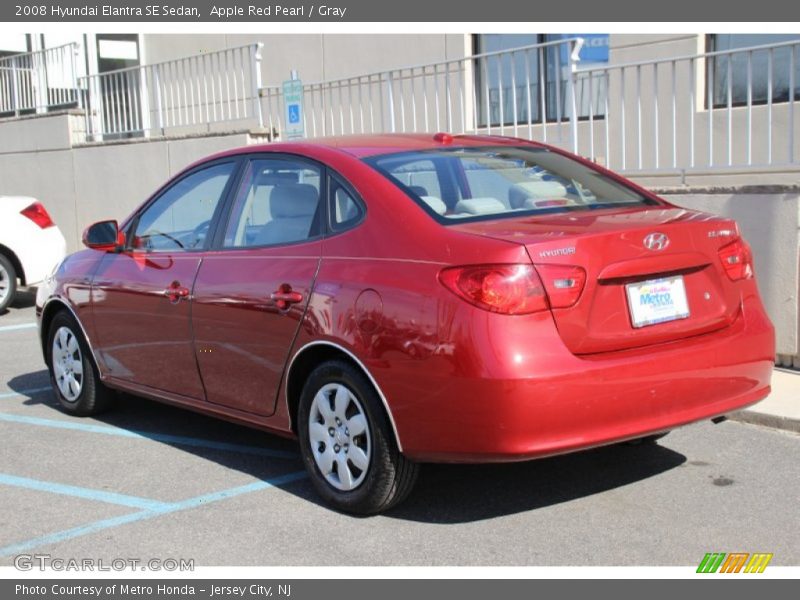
[(38, 214), (507, 289), (737, 260), (564, 284)]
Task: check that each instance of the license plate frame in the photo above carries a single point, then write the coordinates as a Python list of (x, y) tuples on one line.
[(667, 301)]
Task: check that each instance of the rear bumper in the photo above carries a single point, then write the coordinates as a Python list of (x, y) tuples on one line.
[(582, 402)]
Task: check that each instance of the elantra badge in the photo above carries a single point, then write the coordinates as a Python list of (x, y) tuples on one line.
[(656, 241)]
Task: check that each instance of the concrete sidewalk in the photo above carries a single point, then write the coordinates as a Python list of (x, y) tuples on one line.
[(781, 409)]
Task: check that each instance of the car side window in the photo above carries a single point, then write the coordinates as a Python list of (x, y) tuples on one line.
[(345, 210), (180, 218), (278, 202)]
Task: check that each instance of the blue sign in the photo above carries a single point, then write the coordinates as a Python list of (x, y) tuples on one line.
[(594, 50), (294, 113)]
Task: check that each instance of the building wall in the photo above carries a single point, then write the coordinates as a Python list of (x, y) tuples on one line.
[(319, 57), (81, 184), (316, 57)]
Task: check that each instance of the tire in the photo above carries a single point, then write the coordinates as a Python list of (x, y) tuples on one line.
[(73, 374), (646, 440), (374, 474), (8, 283)]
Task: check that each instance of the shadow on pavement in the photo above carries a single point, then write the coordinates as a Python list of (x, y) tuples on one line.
[(25, 298), (443, 494)]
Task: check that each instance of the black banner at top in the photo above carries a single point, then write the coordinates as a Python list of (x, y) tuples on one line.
[(442, 11)]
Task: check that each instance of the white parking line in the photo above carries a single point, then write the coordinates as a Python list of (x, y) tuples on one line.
[(17, 327), (156, 511), (81, 492)]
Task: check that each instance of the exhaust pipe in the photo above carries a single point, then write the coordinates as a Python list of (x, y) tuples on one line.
[(718, 420)]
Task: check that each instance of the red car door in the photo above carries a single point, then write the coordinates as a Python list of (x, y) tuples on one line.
[(141, 296), (251, 292)]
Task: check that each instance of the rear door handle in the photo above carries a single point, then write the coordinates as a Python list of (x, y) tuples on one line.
[(285, 297)]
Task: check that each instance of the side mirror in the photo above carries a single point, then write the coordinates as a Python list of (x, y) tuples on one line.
[(104, 236)]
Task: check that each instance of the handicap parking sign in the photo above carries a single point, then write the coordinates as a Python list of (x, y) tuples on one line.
[(293, 109)]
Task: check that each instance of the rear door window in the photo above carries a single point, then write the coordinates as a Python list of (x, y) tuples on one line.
[(278, 202), (345, 209)]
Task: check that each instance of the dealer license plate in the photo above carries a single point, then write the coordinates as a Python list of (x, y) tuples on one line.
[(657, 301)]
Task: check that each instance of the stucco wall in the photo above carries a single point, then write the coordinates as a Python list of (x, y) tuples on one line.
[(85, 183)]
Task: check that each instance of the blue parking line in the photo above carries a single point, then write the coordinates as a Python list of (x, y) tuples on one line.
[(148, 435), (30, 392), (17, 327), (80, 492), (89, 528)]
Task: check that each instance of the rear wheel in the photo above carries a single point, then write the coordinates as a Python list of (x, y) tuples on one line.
[(8, 283), (73, 373), (347, 443)]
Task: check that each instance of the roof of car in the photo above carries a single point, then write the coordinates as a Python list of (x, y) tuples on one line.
[(362, 146), (371, 145), (368, 145)]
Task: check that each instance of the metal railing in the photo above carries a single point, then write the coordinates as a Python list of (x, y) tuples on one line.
[(187, 95), (506, 92), (714, 110), (39, 81)]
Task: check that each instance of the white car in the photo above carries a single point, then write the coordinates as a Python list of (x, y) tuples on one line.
[(30, 245)]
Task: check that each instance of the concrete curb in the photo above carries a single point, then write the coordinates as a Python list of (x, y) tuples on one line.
[(767, 420)]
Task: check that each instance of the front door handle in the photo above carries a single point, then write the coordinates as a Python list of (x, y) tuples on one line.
[(285, 297), (176, 291)]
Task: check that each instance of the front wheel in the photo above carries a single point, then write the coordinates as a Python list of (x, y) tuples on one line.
[(8, 283), (73, 375), (347, 443)]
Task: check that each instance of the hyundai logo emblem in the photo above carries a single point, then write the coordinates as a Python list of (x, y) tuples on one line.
[(656, 241)]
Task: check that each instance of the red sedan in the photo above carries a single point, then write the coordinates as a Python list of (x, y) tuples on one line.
[(392, 300)]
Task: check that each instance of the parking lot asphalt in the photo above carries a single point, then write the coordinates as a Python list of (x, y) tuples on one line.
[(151, 481)]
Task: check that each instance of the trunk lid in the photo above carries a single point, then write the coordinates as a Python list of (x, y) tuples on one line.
[(609, 244)]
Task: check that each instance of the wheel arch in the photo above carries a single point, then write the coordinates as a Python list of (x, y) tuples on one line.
[(50, 309), (15, 262), (307, 358)]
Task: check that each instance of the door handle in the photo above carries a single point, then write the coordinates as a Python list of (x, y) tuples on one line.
[(285, 297), (176, 291)]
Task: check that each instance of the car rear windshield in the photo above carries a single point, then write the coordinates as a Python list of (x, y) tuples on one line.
[(476, 183)]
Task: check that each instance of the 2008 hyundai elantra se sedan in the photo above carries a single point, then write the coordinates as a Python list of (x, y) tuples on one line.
[(398, 299)]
